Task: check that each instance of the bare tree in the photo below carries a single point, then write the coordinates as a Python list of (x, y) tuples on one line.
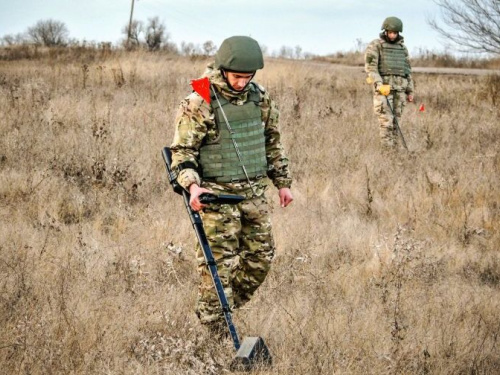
[(286, 52), (136, 28), (190, 49), (10, 39), (360, 45), (49, 33), (155, 34), (473, 25), (298, 52), (209, 48)]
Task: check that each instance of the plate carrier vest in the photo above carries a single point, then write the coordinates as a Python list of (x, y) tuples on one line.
[(218, 160), (393, 60)]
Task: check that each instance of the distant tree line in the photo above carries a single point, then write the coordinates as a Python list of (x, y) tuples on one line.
[(151, 35)]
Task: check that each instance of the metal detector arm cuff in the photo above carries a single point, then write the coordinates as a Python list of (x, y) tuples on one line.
[(172, 176)]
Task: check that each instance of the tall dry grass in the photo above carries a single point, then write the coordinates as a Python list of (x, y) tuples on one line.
[(385, 264)]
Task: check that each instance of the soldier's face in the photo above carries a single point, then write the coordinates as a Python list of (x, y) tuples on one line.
[(392, 35), (238, 81)]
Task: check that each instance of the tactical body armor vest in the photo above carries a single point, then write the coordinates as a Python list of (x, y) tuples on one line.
[(392, 60), (219, 160)]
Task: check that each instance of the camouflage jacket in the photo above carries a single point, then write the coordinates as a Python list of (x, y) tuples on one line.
[(372, 56), (195, 123)]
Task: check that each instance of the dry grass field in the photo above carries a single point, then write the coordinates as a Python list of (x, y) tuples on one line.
[(386, 264)]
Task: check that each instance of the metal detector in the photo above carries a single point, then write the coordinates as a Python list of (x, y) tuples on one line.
[(396, 122), (252, 351)]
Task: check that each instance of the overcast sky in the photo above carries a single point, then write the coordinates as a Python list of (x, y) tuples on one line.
[(318, 26)]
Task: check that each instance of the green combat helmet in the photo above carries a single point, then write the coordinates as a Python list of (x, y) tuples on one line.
[(239, 54), (393, 24)]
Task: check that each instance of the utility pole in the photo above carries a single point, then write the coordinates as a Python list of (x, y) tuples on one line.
[(130, 24)]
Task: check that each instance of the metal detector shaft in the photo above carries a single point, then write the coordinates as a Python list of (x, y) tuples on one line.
[(396, 122), (207, 251)]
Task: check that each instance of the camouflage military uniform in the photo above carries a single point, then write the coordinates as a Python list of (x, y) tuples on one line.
[(240, 236), (401, 86)]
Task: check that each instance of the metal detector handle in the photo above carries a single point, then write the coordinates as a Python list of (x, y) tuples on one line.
[(207, 198)]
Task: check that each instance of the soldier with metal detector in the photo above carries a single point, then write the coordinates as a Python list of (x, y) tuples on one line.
[(389, 71), (227, 141)]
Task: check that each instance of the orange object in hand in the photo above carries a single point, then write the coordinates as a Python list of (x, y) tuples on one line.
[(385, 90)]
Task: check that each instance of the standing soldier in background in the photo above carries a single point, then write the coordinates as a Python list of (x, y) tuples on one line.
[(389, 70), (207, 160)]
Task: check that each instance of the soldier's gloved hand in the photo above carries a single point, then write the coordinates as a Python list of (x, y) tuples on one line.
[(385, 90)]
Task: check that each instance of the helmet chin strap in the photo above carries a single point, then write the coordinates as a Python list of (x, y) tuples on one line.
[(229, 85)]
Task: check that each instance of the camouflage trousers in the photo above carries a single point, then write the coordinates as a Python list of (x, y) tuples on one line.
[(243, 247), (388, 132)]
